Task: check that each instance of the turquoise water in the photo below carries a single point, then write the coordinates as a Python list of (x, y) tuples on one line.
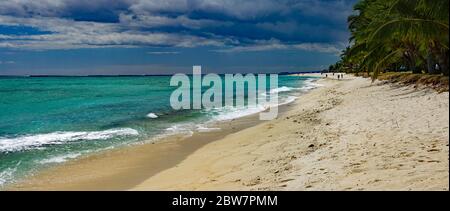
[(49, 120)]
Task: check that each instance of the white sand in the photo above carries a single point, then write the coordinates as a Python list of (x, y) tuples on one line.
[(348, 135)]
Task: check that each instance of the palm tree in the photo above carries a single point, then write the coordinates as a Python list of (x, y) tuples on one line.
[(425, 22), (386, 33)]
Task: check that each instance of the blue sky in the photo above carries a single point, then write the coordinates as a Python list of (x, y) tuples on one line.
[(80, 37)]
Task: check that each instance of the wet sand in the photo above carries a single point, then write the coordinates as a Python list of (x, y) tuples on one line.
[(126, 167), (349, 134)]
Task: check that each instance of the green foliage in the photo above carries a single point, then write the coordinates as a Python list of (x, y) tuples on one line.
[(397, 35)]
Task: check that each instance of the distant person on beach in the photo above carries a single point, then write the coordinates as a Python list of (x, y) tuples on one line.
[(339, 77), (326, 75), (342, 76)]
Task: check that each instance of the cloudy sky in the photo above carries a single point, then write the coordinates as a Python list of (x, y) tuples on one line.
[(79, 37)]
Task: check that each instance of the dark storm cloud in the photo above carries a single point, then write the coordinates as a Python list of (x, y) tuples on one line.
[(249, 24)]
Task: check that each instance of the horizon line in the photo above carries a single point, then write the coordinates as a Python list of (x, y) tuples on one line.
[(143, 75)]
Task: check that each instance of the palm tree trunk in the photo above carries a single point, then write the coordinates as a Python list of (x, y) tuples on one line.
[(430, 62), (443, 63), (412, 63), (442, 59), (412, 56)]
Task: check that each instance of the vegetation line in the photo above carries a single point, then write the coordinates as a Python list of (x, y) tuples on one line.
[(398, 36)]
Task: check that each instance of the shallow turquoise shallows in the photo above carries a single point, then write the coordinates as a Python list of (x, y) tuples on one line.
[(48, 120)]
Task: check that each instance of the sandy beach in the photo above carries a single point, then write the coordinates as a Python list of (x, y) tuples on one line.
[(348, 134)]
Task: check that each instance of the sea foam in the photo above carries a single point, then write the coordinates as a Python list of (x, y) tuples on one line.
[(282, 89), (204, 129), (152, 116), (37, 141), (8, 174), (60, 159)]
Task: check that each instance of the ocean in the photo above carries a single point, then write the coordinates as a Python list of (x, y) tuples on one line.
[(49, 120)]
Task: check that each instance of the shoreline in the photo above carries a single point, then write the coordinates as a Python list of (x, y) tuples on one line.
[(334, 137), (104, 170), (347, 135), (124, 167)]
